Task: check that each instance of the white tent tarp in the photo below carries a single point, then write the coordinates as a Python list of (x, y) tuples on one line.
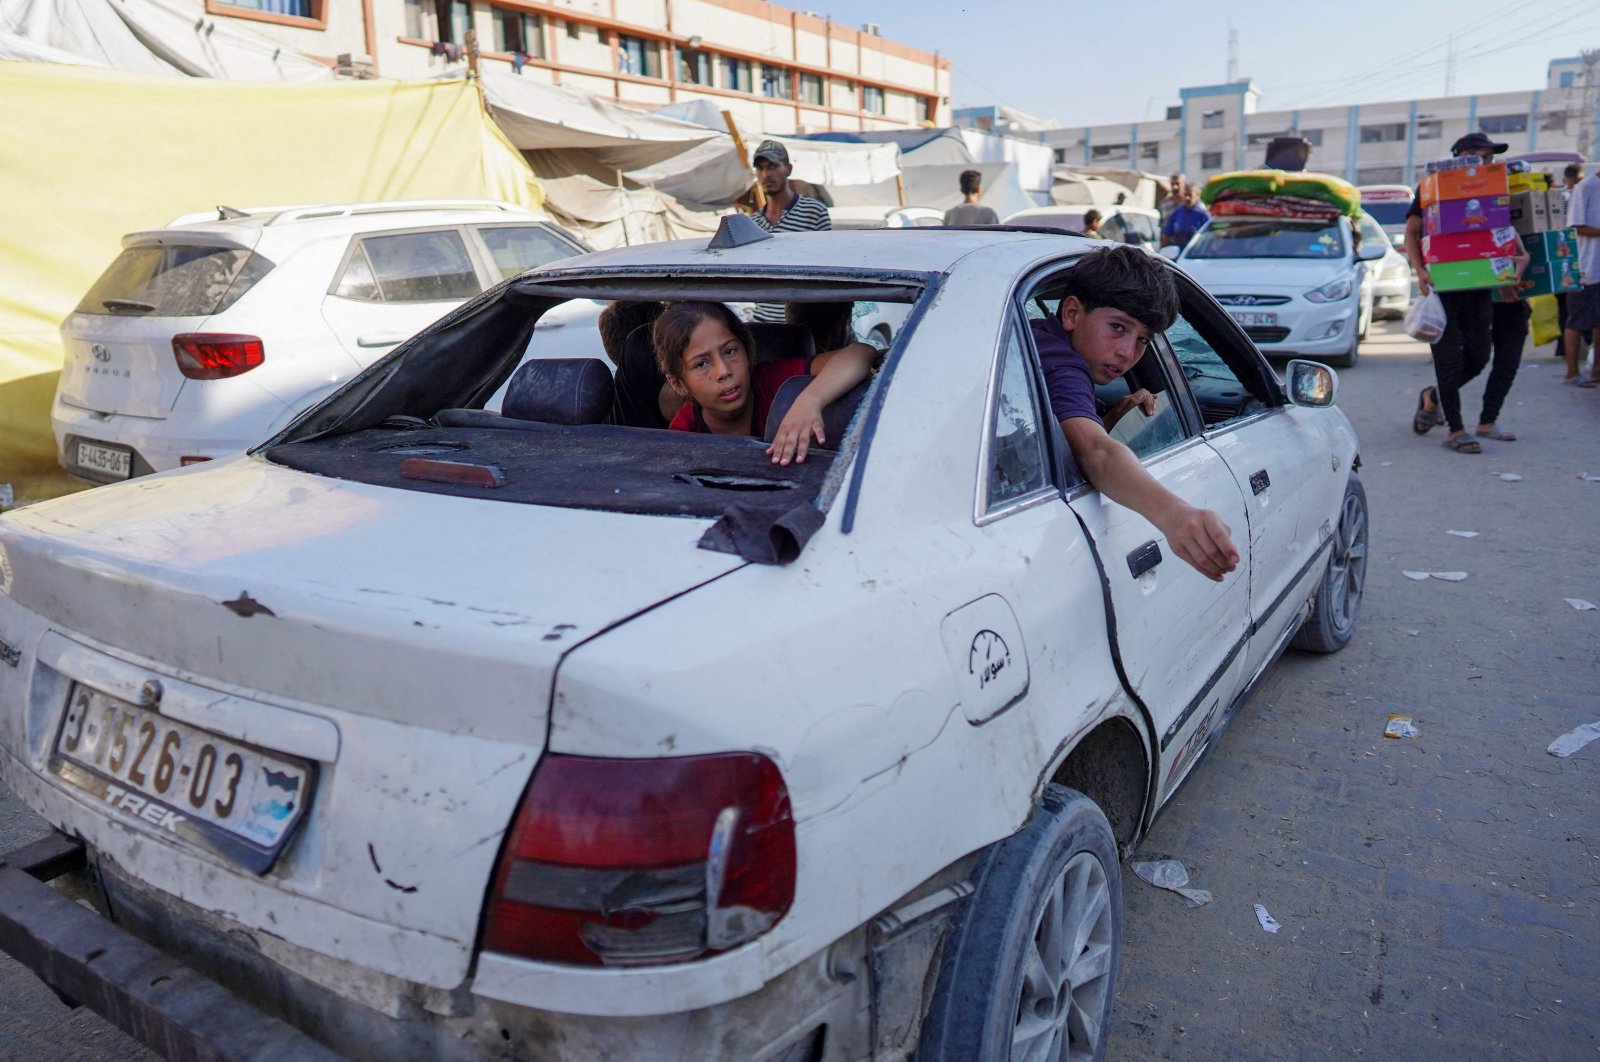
[(147, 37)]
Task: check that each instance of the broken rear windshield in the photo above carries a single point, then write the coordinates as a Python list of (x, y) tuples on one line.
[(174, 280)]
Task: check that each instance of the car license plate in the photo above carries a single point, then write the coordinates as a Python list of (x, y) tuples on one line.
[(1256, 319), (112, 460), (234, 799)]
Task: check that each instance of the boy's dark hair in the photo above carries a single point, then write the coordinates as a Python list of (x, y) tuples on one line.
[(619, 319), (971, 181), (1090, 216), (1127, 279), (828, 322), (672, 331), (1574, 169)]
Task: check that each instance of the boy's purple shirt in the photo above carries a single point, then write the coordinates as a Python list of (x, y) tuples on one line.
[(1066, 374)]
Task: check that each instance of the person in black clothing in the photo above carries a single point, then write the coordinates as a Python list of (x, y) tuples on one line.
[(1476, 326)]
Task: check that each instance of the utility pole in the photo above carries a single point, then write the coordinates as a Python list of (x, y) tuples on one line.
[(1233, 53), (1450, 65), (1589, 111)]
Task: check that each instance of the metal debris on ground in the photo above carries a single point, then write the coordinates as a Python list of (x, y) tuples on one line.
[(1463, 534), (1174, 876), (1573, 740), (1400, 726), (1580, 604), (1268, 923)]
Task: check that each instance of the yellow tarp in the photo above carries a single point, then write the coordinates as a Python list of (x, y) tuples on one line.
[(88, 155)]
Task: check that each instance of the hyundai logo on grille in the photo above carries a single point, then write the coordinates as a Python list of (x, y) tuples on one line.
[(1252, 300), (100, 352)]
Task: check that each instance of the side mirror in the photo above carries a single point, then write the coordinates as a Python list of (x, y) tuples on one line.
[(1311, 383), (1371, 251), (1170, 252)]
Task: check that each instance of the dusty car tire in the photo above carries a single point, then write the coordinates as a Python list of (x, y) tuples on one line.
[(1030, 971), (1338, 598)]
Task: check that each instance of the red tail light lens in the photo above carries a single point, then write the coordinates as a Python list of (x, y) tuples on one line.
[(216, 355), (642, 862)]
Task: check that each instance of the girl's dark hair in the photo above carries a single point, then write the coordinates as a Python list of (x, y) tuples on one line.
[(1127, 279), (671, 333), (620, 318), (828, 322)]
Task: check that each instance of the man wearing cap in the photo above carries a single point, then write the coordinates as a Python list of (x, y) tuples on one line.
[(1475, 325), (786, 211), (1583, 305)]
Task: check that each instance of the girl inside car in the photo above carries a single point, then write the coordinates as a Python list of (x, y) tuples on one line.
[(706, 354)]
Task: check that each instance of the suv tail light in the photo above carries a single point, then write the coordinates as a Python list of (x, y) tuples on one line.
[(216, 355), (643, 862)]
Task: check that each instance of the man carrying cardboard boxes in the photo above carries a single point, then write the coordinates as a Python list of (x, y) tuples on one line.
[(1583, 305), (1462, 245)]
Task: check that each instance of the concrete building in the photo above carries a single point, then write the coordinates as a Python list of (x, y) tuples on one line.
[(1217, 128), (780, 69)]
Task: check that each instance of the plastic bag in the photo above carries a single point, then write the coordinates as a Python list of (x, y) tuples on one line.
[(1545, 322), (1425, 319)]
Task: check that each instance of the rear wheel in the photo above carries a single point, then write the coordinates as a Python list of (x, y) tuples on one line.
[(1338, 600), (1030, 972)]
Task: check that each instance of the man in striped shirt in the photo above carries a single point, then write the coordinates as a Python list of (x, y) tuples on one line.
[(787, 210)]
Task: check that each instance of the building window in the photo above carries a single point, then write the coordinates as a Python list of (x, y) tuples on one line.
[(1211, 120), (1310, 136), (1211, 160), (811, 89), (1565, 80), (1432, 130), (1175, 114), (454, 18), (694, 67), (1150, 152), (1108, 151), (929, 109), (1386, 133), (574, 31), (736, 75), (1553, 122), (1381, 175), (519, 31), (872, 99), (292, 8), (413, 15), (637, 56), (1504, 123), (1061, 155), (775, 82)]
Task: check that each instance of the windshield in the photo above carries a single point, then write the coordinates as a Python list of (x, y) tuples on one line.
[(1387, 212), (174, 280), (1267, 238)]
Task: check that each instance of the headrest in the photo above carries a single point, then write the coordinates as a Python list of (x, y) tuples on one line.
[(776, 341), (560, 391), (638, 383)]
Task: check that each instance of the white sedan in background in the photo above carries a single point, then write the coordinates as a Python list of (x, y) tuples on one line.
[(444, 732), (1298, 287), (205, 337)]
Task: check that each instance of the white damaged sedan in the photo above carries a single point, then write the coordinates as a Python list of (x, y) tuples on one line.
[(425, 731)]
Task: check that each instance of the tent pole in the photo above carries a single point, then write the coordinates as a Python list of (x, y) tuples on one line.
[(900, 186), (744, 156), (627, 208)]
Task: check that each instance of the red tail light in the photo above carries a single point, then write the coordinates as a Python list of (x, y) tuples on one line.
[(642, 862), (216, 355)]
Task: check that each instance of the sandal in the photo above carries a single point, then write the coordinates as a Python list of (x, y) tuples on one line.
[(1581, 381), (1463, 443), (1498, 435), (1425, 420)]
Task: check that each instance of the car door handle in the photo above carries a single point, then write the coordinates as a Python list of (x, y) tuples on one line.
[(1144, 558), (1259, 481), (380, 339)]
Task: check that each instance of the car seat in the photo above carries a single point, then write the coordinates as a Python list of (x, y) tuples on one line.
[(638, 383), (836, 416)]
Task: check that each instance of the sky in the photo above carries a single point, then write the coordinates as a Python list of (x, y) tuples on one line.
[(1095, 63)]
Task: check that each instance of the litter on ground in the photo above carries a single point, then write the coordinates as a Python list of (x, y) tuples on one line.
[(1174, 876), (1449, 577), (1510, 477), (1400, 726), (1463, 534), (1268, 923), (1580, 604), (1573, 740)]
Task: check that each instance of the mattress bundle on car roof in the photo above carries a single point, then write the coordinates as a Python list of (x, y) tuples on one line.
[(1281, 194)]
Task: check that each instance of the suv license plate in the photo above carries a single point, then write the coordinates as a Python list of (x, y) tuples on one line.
[(112, 460), (189, 784), (1256, 319)]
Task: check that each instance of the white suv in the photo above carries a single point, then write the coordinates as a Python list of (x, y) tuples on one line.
[(205, 337)]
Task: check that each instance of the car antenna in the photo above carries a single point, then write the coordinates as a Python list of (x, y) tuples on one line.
[(226, 212), (736, 230)]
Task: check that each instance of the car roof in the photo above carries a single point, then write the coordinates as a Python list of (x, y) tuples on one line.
[(248, 225), (1380, 192), (917, 250)]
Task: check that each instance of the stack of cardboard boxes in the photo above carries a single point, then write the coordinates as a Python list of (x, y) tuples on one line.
[(1539, 215), (1469, 240)]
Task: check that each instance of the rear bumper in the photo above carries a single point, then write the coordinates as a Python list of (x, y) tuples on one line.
[(158, 444), (162, 1002), (230, 999)]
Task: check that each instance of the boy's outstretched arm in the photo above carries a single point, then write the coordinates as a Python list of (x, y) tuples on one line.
[(1198, 536)]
